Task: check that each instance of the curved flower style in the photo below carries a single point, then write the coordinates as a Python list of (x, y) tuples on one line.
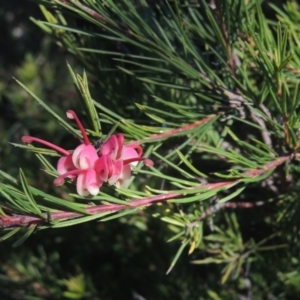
[(112, 164)]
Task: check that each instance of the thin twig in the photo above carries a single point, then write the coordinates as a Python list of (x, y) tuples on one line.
[(232, 205), (181, 129)]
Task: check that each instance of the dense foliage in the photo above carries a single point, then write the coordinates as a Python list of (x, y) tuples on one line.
[(210, 90)]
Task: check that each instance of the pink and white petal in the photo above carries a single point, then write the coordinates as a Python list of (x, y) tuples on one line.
[(65, 164), (103, 167), (93, 182), (136, 146), (88, 157), (124, 178), (111, 147), (81, 186), (76, 155), (129, 153), (117, 169)]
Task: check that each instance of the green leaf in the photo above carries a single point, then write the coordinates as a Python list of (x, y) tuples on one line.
[(177, 255), (81, 84), (120, 214), (55, 115), (9, 234), (231, 196), (25, 236), (28, 194)]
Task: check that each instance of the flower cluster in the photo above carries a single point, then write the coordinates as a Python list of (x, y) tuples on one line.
[(111, 164)]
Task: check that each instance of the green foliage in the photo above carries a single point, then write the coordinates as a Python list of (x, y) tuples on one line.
[(212, 93)]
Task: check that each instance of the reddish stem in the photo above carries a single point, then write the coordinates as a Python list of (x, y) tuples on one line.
[(184, 128)]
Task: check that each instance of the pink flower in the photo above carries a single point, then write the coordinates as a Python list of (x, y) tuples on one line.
[(79, 164), (83, 158), (111, 165), (114, 165)]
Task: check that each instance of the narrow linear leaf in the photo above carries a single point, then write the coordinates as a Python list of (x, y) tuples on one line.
[(9, 234), (29, 195), (120, 214), (55, 115), (175, 259), (25, 236)]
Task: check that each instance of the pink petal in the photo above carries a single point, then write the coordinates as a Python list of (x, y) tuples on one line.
[(87, 157), (65, 164), (93, 182), (124, 177), (76, 155), (111, 147), (135, 145), (129, 153), (117, 169), (81, 186), (102, 167)]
